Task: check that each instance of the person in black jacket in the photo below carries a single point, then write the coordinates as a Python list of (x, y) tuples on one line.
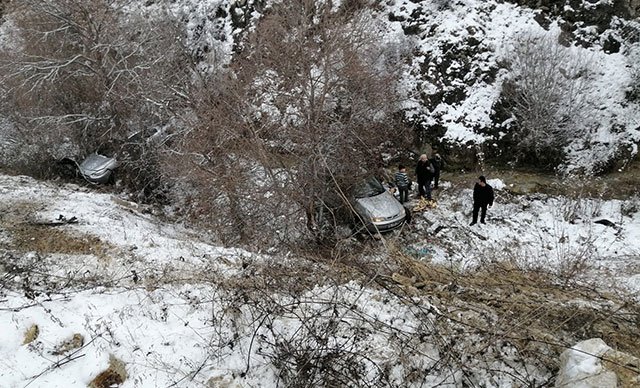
[(482, 197), (424, 174), (436, 162)]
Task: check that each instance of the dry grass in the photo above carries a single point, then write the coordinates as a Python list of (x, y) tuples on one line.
[(75, 342), (26, 235), (617, 185), (627, 368), (531, 309), (46, 239)]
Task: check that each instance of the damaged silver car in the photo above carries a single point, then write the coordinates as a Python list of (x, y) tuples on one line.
[(377, 207), (98, 168)]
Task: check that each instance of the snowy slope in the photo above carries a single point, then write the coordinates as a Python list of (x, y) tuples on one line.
[(459, 57), (190, 316), (177, 310)]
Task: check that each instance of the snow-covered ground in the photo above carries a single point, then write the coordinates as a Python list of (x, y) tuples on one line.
[(537, 230), (177, 311)]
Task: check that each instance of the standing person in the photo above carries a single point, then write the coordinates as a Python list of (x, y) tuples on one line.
[(436, 162), (402, 183), (424, 174), (482, 197)]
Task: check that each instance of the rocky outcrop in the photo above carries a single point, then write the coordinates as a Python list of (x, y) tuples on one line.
[(626, 9), (593, 364)]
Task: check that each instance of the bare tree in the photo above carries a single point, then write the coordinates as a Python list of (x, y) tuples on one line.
[(89, 75), (307, 109), (330, 108), (547, 97), (305, 115)]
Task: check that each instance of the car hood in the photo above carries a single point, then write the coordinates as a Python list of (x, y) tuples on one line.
[(383, 205)]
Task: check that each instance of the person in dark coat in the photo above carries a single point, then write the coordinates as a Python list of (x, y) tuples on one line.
[(424, 174), (436, 162), (482, 197)]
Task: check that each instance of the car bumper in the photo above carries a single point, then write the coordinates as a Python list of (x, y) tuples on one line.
[(385, 226)]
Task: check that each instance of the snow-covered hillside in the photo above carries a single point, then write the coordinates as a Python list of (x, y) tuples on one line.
[(98, 290), (463, 55), (455, 57), (117, 289)]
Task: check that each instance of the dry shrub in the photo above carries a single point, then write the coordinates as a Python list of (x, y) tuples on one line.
[(75, 342), (547, 95), (531, 310), (301, 120), (630, 206), (578, 204), (115, 375), (87, 77), (31, 334)]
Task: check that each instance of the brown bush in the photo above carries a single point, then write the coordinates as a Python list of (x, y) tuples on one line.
[(547, 96), (85, 77), (115, 375)]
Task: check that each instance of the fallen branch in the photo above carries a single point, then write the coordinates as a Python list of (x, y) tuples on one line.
[(67, 359), (61, 220), (55, 365)]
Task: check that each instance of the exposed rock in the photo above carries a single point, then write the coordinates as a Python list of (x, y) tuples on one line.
[(593, 364), (605, 222), (458, 155), (581, 366)]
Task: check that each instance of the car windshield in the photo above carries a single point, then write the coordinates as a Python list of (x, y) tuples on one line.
[(369, 188)]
